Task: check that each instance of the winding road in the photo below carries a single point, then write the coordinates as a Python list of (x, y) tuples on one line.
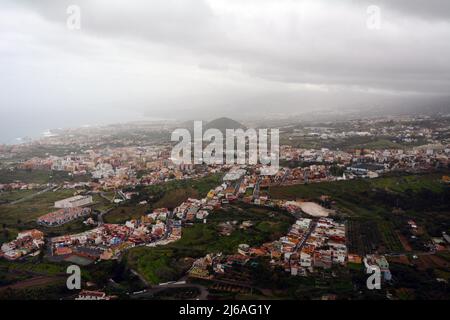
[(155, 289)]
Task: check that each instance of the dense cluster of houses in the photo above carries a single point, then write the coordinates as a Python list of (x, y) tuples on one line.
[(364, 162), (108, 241), (93, 295), (309, 244), (112, 168), (27, 243), (62, 216), (314, 155), (19, 186), (193, 209), (216, 264)]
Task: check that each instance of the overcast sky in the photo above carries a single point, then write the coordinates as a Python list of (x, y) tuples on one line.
[(204, 58)]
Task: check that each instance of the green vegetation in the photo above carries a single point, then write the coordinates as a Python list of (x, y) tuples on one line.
[(389, 238), (370, 142), (33, 265), (175, 197), (75, 226), (377, 209), (8, 278), (167, 263), (10, 196), (177, 294), (375, 197), (23, 215), (121, 214), (54, 289), (412, 283), (43, 151), (158, 264), (28, 275), (167, 195), (173, 193), (37, 176), (336, 281), (100, 203)]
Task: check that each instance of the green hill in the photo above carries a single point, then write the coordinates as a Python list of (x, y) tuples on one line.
[(224, 123)]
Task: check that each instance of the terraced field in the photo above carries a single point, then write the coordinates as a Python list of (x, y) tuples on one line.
[(377, 210)]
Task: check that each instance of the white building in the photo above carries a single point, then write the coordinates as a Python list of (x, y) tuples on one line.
[(303, 223), (103, 170), (92, 295), (305, 260), (77, 201)]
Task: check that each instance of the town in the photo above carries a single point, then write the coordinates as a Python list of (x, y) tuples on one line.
[(97, 184)]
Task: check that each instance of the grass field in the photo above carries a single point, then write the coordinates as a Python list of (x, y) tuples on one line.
[(175, 197), (20, 274), (37, 176), (23, 215), (9, 196), (123, 213), (370, 197), (174, 193), (377, 209), (30, 266), (100, 203), (381, 142)]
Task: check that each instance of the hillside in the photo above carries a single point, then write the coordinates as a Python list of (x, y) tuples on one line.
[(224, 123), (220, 123)]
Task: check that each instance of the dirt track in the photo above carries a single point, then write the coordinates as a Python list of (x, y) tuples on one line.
[(33, 282), (404, 242)]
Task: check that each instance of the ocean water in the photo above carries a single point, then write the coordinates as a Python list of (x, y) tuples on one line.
[(15, 128)]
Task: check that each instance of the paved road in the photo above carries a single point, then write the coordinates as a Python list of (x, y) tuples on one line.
[(102, 194), (286, 174), (411, 253), (155, 289), (152, 290), (256, 190), (301, 243), (140, 277), (100, 216)]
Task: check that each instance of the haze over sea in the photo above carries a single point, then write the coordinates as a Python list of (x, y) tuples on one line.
[(15, 127)]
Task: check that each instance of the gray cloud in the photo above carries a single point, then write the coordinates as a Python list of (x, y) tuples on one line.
[(161, 57), (437, 10)]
